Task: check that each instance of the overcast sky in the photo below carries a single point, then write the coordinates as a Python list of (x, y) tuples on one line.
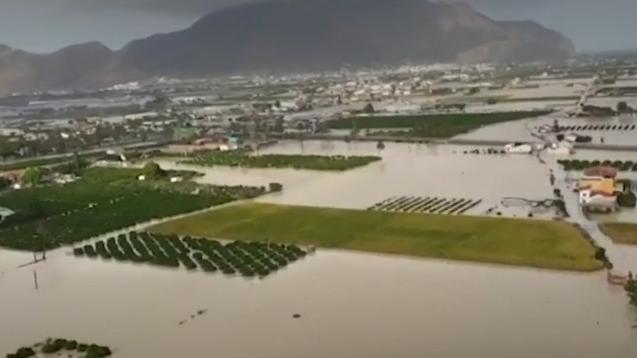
[(46, 25)]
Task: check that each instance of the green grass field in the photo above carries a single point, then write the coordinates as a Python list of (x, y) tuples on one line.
[(623, 233), (309, 162), (433, 125), (544, 244)]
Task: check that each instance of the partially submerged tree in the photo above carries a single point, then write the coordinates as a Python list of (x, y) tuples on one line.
[(623, 107)]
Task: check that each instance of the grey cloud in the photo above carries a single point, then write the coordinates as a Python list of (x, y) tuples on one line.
[(175, 7)]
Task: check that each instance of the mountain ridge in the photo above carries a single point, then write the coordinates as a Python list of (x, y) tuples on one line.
[(291, 36)]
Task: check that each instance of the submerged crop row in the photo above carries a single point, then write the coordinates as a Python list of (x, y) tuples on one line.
[(428, 205), (602, 127), (247, 259), (59, 346), (311, 162), (578, 164)]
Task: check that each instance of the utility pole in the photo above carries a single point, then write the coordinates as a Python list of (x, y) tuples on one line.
[(35, 279), (43, 236)]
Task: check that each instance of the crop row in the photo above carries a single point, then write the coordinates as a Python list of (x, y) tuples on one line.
[(430, 205), (80, 225), (606, 127), (59, 345), (577, 164), (489, 151), (245, 258), (102, 201), (311, 162), (434, 123)]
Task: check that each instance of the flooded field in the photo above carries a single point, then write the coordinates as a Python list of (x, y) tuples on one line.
[(406, 170), (432, 170), (522, 105), (350, 304), (521, 130)]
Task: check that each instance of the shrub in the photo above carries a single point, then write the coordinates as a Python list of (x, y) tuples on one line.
[(600, 255), (560, 205), (95, 351), (627, 199), (89, 251), (276, 187), (32, 176), (24, 352), (152, 170), (51, 347), (70, 345)]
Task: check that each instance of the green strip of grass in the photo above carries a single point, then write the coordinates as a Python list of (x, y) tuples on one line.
[(433, 125), (538, 99), (309, 162), (34, 163), (544, 244), (623, 233)]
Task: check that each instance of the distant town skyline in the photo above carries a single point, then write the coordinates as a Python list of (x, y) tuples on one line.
[(47, 25)]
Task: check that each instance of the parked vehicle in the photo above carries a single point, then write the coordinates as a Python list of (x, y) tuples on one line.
[(518, 148)]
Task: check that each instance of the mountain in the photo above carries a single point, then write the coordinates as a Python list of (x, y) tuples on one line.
[(71, 66), (290, 36)]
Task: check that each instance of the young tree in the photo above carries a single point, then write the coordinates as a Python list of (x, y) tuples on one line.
[(152, 170), (622, 107), (278, 125), (32, 176), (368, 109)]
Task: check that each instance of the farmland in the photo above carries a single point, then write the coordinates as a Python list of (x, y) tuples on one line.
[(103, 200), (429, 205), (581, 164), (248, 259), (433, 125), (310, 162), (545, 244), (623, 233)]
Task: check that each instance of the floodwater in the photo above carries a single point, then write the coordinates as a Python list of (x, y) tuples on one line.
[(351, 304), (431, 171), (406, 170), (521, 130)]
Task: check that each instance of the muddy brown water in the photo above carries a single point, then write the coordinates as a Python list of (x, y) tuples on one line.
[(351, 304)]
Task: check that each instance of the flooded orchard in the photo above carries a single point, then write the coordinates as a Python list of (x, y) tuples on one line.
[(348, 304), (406, 170)]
